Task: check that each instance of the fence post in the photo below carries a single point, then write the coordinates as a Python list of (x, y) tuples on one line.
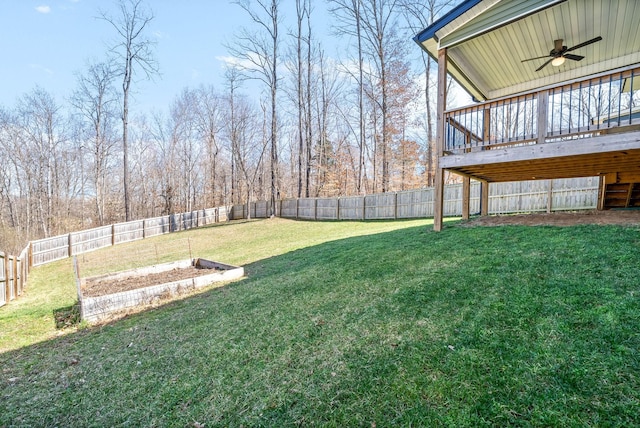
[(70, 250), (395, 206), (113, 234), (7, 292), (364, 207), (7, 286), (550, 197), (338, 209), (315, 209), (15, 277)]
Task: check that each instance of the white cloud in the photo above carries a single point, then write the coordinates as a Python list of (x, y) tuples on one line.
[(250, 63), (41, 68), (43, 9)]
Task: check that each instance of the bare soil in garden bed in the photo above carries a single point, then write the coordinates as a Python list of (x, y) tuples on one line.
[(609, 217), (103, 286)]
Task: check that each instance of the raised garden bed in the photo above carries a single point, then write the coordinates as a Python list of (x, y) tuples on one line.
[(101, 297)]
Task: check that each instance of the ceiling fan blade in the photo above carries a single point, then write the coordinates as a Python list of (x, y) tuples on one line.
[(573, 57), (544, 65), (588, 42), (531, 59)]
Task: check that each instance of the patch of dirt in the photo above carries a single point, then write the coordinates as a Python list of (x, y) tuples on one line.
[(104, 286), (609, 217)]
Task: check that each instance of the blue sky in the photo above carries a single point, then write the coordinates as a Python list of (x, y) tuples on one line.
[(48, 42)]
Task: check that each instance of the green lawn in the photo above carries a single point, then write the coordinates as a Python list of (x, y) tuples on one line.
[(347, 324)]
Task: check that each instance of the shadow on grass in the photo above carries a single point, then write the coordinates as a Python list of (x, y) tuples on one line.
[(482, 326)]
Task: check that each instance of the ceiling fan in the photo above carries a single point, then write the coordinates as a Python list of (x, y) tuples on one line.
[(560, 52)]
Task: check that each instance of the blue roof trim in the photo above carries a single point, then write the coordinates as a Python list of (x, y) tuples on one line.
[(454, 13)]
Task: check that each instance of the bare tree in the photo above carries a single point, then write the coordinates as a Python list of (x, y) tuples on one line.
[(349, 22), (95, 100), (209, 126), (133, 50), (419, 14), (39, 119), (261, 50)]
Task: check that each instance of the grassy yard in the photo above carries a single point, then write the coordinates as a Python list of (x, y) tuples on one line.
[(346, 324)]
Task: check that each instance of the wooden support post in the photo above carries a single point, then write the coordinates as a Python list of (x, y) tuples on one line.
[(550, 197), (438, 202), (338, 209), (315, 209), (113, 234), (629, 193), (70, 250), (484, 198), (466, 197), (601, 191), (543, 111)]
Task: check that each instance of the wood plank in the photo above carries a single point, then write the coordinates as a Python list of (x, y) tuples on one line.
[(466, 194), (484, 198), (438, 203), (602, 187), (629, 193), (543, 109), (585, 146)]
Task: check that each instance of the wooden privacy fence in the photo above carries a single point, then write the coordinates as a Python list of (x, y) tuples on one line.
[(525, 196), (504, 198), (13, 275), (60, 247)]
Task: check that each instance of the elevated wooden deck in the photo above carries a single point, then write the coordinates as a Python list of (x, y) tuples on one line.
[(588, 127)]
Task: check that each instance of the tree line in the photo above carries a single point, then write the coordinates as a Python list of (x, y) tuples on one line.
[(317, 126)]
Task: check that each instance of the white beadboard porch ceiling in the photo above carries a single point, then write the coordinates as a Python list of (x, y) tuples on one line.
[(487, 42)]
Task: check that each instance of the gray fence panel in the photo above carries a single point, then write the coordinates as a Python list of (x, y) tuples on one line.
[(415, 203), (307, 208), (352, 208), (327, 208), (262, 209), (238, 212), (288, 208), (157, 226), (92, 239), (379, 206), (50, 249), (127, 232)]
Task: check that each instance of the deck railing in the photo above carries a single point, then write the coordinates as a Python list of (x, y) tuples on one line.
[(584, 108)]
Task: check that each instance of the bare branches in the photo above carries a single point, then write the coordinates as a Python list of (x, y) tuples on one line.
[(132, 46), (134, 50), (261, 49)]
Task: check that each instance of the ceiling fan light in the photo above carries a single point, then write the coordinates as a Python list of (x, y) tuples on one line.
[(558, 61)]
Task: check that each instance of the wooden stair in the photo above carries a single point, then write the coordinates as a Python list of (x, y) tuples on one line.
[(621, 195)]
